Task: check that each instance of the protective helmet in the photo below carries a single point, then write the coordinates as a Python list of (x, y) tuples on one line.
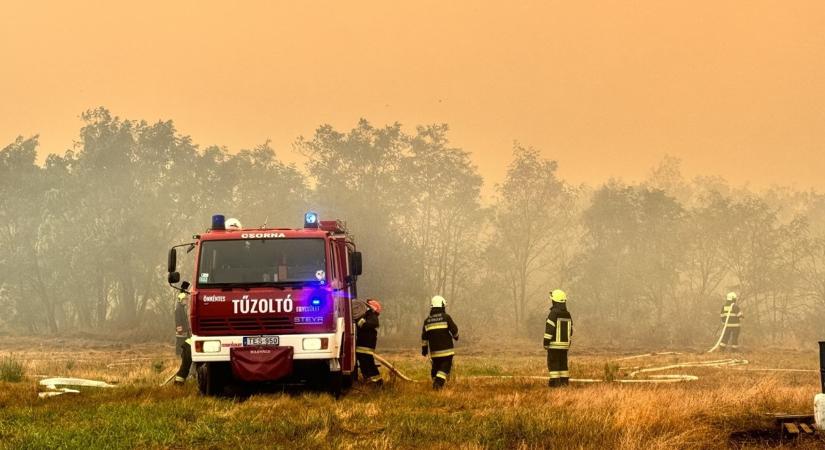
[(373, 303), (731, 296), (233, 224), (438, 302), (558, 296)]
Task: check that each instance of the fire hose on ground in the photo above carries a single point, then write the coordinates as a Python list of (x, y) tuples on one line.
[(632, 376)]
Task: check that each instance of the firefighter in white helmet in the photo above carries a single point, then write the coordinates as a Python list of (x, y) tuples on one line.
[(731, 317), (437, 335), (558, 329)]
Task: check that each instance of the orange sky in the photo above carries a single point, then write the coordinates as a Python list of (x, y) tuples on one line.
[(605, 87)]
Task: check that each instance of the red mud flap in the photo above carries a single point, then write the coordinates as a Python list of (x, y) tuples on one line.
[(261, 363)]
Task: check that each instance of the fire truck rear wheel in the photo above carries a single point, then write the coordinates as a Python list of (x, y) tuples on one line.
[(336, 383), (212, 378)]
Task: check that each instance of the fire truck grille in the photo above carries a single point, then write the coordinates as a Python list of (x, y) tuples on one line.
[(244, 325)]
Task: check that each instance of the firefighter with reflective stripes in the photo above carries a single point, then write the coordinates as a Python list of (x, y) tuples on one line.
[(731, 317), (558, 330), (437, 335), (365, 342), (183, 338)]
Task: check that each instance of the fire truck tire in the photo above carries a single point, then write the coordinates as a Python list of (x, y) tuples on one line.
[(336, 384), (212, 378), (349, 380)]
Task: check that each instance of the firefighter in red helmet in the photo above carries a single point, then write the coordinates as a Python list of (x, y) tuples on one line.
[(366, 341)]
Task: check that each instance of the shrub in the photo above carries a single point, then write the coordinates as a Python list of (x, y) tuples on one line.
[(11, 369)]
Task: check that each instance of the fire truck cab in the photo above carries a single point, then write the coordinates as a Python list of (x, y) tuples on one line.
[(272, 304)]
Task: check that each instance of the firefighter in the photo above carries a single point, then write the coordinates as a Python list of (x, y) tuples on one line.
[(365, 342), (183, 338), (731, 317), (437, 336), (558, 329)]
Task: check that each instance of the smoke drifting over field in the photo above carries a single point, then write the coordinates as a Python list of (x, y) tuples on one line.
[(84, 235)]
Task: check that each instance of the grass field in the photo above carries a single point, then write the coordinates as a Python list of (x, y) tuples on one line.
[(726, 407)]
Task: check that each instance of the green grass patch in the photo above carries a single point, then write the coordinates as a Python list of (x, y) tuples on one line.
[(11, 370)]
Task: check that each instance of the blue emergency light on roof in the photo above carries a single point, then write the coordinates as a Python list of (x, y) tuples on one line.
[(316, 302), (218, 222), (311, 220)]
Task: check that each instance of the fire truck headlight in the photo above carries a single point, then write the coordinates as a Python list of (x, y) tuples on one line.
[(211, 346), (314, 344)]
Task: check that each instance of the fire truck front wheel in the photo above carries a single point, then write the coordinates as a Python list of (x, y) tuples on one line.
[(213, 377)]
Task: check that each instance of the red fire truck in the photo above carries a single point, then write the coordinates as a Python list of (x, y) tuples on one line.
[(272, 304)]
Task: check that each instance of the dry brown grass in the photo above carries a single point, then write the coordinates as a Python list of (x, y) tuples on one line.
[(472, 413)]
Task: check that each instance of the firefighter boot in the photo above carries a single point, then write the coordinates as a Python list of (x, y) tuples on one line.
[(438, 383)]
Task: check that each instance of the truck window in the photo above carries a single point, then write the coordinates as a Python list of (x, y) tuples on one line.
[(261, 261), (333, 259)]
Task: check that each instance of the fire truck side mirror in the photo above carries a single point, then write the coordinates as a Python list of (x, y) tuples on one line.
[(174, 277), (356, 263), (173, 260)]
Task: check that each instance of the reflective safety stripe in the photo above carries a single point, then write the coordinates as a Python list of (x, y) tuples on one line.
[(424, 343), (375, 379), (733, 325), (436, 326), (361, 322), (442, 353), (565, 373), (722, 344), (365, 350), (555, 374), (561, 337), (442, 375), (548, 336), (550, 322), (189, 340), (560, 345)]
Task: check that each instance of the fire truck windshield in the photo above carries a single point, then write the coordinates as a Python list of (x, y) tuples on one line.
[(261, 261)]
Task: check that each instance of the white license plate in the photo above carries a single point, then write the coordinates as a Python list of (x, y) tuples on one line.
[(261, 340)]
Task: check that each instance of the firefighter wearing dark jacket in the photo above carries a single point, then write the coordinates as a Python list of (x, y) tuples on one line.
[(437, 336), (365, 342), (731, 317), (183, 338), (558, 329)]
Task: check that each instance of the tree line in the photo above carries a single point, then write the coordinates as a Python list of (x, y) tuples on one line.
[(83, 235)]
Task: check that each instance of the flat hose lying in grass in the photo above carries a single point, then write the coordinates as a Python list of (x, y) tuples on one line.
[(53, 383), (660, 378)]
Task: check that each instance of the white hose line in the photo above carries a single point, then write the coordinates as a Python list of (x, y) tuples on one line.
[(658, 378), (648, 354), (724, 327)]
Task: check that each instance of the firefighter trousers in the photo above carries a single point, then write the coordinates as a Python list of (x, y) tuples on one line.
[(441, 370), (185, 360), (730, 340), (557, 365), (368, 368)]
